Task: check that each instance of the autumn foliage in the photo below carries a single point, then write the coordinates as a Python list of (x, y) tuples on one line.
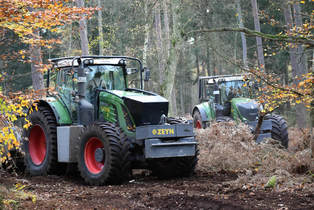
[(272, 93), (26, 19)]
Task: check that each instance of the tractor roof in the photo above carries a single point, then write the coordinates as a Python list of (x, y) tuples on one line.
[(213, 79), (97, 60)]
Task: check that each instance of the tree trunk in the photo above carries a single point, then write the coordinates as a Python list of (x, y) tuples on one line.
[(197, 63), (173, 102), (243, 38), (296, 57), (182, 111), (69, 50), (208, 59), (100, 30), (159, 46), (260, 54), (83, 30), (292, 50), (36, 61), (175, 49), (145, 47), (300, 56), (167, 29)]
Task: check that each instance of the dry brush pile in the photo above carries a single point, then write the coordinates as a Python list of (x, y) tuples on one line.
[(229, 147)]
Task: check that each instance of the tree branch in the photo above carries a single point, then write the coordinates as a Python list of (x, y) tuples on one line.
[(264, 79), (290, 39)]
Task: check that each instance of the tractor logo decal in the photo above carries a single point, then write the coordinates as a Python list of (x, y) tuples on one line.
[(168, 131)]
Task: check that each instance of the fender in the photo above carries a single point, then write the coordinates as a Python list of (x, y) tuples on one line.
[(60, 111), (202, 111)]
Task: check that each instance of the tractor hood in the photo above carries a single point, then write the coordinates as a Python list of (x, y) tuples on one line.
[(247, 108), (146, 108)]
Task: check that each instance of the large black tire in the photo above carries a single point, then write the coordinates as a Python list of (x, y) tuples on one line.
[(174, 167), (197, 120), (40, 143), (279, 129), (112, 166)]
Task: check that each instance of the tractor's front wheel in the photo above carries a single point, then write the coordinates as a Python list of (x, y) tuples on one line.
[(40, 143), (103, 155), (279, 129)]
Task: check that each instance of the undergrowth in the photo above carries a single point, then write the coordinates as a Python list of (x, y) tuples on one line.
[(229, 147)]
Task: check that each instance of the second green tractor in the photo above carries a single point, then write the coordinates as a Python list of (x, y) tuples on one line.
[(229, 97)]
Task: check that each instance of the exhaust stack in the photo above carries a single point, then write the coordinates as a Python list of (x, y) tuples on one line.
[(85, 108)]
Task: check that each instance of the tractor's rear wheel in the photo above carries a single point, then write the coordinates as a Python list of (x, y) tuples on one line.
[(174, 167), (197, 119), (40, 143), (103, 155), (279, 129)]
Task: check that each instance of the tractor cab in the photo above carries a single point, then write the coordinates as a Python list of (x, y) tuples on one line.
[(90, 86)]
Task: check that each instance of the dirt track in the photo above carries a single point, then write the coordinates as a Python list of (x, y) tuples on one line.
[(202, 191)]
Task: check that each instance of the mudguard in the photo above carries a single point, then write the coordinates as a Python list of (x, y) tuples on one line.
[(60, 111), (202, 111)]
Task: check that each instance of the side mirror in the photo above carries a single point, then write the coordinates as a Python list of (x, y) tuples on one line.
[(146, 74)]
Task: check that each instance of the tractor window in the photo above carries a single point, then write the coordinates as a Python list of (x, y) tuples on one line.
[(207, 90), (105, 77), (231, 89)]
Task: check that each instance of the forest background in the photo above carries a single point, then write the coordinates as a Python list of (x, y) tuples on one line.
[(178, 40), (171, 39)]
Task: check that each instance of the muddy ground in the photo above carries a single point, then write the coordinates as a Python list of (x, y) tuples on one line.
[(204, 190), (232, 173)]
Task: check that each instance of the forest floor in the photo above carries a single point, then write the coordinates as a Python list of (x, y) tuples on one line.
[(231, 174), (204, 190)]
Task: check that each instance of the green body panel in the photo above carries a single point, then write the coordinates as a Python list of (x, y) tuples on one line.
[(61, 113), (234, 109), (209, 110), (111, 109)]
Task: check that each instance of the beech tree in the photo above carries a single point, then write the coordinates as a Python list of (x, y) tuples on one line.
[(26, 19)]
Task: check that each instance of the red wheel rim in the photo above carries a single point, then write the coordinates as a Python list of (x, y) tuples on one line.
[(37, 145), (89, 155), (198, 124)]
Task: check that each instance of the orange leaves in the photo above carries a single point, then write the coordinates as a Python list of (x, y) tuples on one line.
[(26, 17), (272, 93)]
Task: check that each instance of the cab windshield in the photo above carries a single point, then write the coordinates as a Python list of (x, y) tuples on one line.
[(228, 90), (233, 89), (105, 77)]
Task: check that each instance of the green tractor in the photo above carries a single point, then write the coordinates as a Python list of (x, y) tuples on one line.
[(226, 98), (101, 118)]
